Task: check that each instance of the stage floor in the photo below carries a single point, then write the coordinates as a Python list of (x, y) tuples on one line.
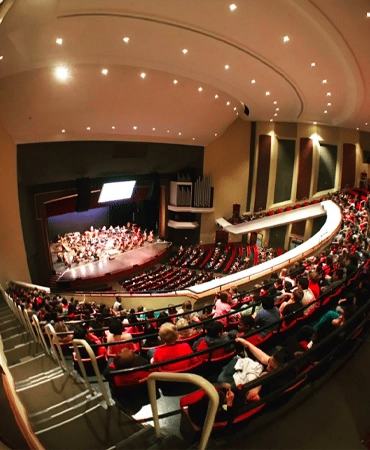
[(120, 263)]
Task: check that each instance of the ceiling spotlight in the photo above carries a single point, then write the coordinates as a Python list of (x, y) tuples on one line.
[(193, 139), (113, 127), (63, 131), (286, 39), (143, 75), (368, 14), (134, 127), (227, 67), (271, 120), (185, 50), (328, 94), (104, 71), (253, 81), (325, 112), (234, 108), (88, 128), (1, 57), (227, 103), (153, 128), (62, 73), (175, 81), (313, 64), (267, 93), (275, 102), (314, 123), (200, 89), (168, 131), (275, 114), (179, 133), (126, 40), (357, 128), (232, 7), (277, 109), (328, 104), (215, 134), (216, 96), (324, 81), (59, 41)]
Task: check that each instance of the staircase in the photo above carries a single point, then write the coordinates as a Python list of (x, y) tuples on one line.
[(63, 412)]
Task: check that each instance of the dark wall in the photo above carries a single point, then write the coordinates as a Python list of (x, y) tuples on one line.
[(284, 170), (327, 167)]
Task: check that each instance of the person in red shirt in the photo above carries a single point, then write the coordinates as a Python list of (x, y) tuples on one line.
[(171, 350)]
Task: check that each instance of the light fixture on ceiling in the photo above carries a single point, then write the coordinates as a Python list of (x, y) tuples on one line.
[(227, 67), (227, 103), (113, 127), (286, 39), (63, 131), (200, 89), (175, 81), (126, 40), (59, 41), (234, 108), (313, 64), (179, 133), (185, 50), (143, 75), (168, 131), (134, 127), (275, 114), (104, 71), (368, 14), (324, 81), (88, 128), (215, 134), (267, 92), (232, 7), (277, 109), (328, 104), (62, 73), (1, 57), (275, 102), (253, 81), (153, 128), (216, 96), (328, 94), (193, 139), (271, 120)]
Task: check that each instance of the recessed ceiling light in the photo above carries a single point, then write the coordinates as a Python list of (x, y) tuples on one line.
[(271, 120), (113, 127), (126, 40), (200, 89), (328, 94), (313, 64), (328, 104), (234, 108), (365, 123), (253, 81), (232, 7), (179, 133), (143, 75), (314, 123), (215, 134), (1, 57), (277, 109), (175, 81), (325, 112), (61, 73), (324, 81), (193, 139), (216, 96), (227, 67), (153, 128), (275, 102), (184, 50), (286, 39), (104, 71), (59, 41), (368, 14), (88, 128), (357, 128), (267, 93), (168, 131), (227, 103), (63, 131), (275, 114), (134, 127)]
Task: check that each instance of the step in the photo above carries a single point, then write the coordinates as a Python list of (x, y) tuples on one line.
[(19, 352), (11, 331), (100, 428), (32, 366), (41, 377), (16, 339)]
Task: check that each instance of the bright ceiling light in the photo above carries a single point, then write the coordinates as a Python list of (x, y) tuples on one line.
[(104, 71), (271, 120), (175, 81), (153, 128), (314, 123), (88, 128), (324, 81), (328, 104), (113, 127), (368, 14), (215, 134), (134, 127), (313, 64), (62, 73), (216, 96), (232, 7), (328, 94), (267, 92), (253, 81), (185, 50), (286, 39), (325, 112), (234, 108), (63, 131), (1, 57), (200, 89), (126, 40), (277, 109), (275, 102), (227, 67), (143, 75), (227, 103), (275, 114), (179, 133), (59, 41)]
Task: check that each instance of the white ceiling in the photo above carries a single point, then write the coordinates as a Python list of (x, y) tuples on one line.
[(35, 107)]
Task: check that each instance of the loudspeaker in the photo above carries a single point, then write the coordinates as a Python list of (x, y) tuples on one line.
[(154, 187), (83, 194)]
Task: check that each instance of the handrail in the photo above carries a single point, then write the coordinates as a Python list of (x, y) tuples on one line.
[(185, 378), (83, 343)]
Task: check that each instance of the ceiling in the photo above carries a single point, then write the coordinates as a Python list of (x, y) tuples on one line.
[(90, 105)]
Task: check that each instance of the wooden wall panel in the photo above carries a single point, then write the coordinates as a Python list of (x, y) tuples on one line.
[(263, 170), (304, 168), (348, 166)]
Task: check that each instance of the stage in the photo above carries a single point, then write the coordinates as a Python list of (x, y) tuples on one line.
[(109, 268)]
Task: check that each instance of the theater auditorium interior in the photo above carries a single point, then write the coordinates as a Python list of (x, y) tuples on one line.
[(243, 132)]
